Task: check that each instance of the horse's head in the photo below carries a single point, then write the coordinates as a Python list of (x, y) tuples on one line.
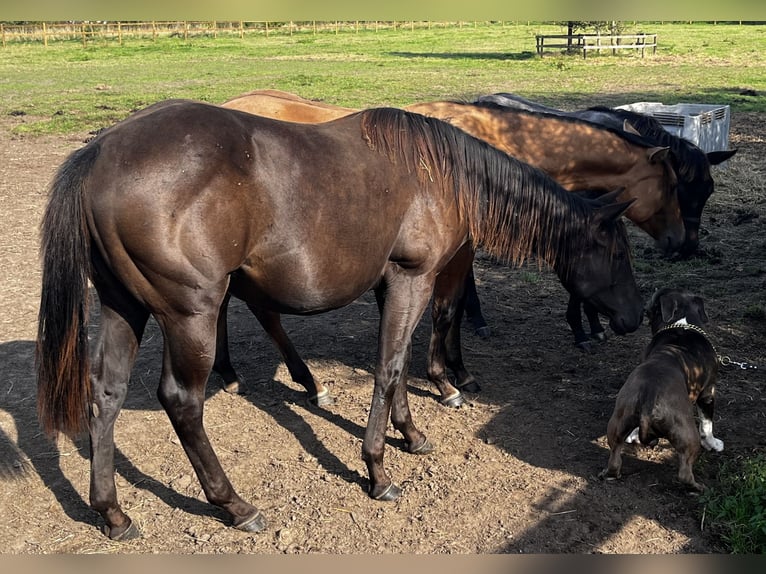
[(695, 186), (602, 273), (657, 208)]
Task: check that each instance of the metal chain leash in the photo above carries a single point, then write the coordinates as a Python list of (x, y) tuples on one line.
[(723, 360)]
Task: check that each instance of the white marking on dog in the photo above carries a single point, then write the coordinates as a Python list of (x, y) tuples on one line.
[(633, 437), (706, 435)]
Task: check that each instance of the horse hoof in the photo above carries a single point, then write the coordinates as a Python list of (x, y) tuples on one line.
[(470, 385), (585, 347), (454, 401), (483, 332), (391, 493), (600, 336), (425, 448), (232, 387), (322, 399), (130, 533), (255, 523)]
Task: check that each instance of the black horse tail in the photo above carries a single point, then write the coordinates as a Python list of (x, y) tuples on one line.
[(63, 381)]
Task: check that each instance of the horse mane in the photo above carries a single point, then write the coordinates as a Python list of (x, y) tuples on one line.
[(689, 160), (514, 211)]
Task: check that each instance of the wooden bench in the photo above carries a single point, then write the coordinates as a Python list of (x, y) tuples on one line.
[(586, 42)]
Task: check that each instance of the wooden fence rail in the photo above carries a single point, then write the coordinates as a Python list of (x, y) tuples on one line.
[(587, 42), (86, 32)]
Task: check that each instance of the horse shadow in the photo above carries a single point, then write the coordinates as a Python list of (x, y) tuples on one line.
[(33, 453)]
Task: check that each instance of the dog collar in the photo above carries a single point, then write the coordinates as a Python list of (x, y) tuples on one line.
[(684, 325)]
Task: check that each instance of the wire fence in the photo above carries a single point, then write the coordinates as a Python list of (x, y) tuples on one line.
[(117, 32)]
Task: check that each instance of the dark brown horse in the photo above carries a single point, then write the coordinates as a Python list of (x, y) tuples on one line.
[(581, 156), (183, 202), (691, 164)]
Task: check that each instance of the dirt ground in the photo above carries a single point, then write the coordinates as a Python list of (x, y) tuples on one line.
[(514, 471)]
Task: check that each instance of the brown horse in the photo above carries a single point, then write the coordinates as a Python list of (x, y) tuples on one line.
[(183, 202), (576, 153), (691, 164)]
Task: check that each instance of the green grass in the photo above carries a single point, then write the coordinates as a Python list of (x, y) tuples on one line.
[(736, 507), (66, 87)]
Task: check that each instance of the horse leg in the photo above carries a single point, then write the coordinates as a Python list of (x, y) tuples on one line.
[(187, 360), (114, 355), (406, 298), (596, 330), (574, 319), (445, 348), (401, 417), (473, 308), (222, 364), (318, 393)]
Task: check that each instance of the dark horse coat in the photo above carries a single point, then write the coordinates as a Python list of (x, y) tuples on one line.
[(180, 204)]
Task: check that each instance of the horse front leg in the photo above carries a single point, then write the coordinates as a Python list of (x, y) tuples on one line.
[(187, 360), (114, 355), (445, 349), (574, 320), (473, 307), (597, 331), (406, 298)]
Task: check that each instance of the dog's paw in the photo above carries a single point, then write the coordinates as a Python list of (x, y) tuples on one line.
[(633, 437), (712, 443)]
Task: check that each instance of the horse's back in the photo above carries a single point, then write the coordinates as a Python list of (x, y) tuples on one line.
[(286, 106), (190, 192)]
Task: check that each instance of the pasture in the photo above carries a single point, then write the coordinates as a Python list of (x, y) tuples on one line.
[(515, 469)]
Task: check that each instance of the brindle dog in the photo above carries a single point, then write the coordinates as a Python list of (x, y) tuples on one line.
[(678, 371)]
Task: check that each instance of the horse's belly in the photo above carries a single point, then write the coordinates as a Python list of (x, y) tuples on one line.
[(302, 291)]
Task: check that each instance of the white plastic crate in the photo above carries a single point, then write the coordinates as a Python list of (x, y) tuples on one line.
[(707, 126)]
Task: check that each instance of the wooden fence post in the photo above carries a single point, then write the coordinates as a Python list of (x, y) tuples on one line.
[(45, 35)]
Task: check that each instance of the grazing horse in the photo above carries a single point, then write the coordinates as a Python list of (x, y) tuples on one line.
[(181, 203), (691, 164), (576, 153)]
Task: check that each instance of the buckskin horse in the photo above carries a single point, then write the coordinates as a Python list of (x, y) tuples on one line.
[(170, 209), (578, 154), (691, 164)]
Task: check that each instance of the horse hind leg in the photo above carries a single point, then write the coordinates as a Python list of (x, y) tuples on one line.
[(187, 360), (318, 393), (115, 353), (222, 364)]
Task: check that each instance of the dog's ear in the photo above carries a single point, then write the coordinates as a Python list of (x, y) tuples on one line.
[(700, 308), (669, 306)]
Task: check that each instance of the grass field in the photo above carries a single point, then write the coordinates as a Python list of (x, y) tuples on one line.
[(64, 86)]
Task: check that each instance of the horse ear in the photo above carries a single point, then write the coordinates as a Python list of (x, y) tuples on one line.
[(716, 157), (612, 196), (612, 211), (630, 128), (658, 154)]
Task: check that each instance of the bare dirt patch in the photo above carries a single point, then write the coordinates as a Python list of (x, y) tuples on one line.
[(515, 470)]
